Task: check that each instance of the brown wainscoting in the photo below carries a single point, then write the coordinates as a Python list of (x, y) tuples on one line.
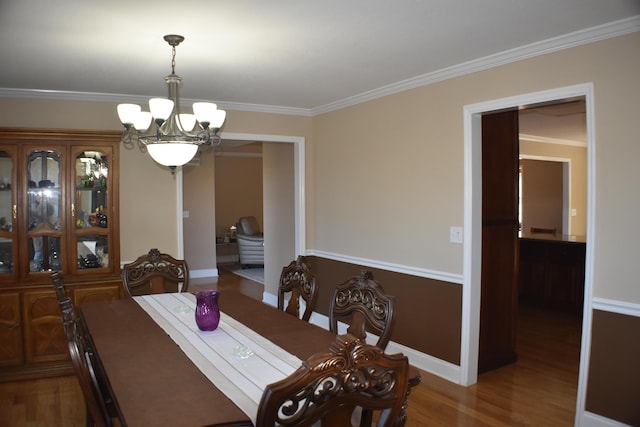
[(428, 312), (614, 375)]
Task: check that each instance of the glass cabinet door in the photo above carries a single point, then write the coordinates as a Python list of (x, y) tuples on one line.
[(44, 203), (91, 207), (8, 212)]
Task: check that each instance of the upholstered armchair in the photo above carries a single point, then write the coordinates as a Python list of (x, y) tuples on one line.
[(250, 242)]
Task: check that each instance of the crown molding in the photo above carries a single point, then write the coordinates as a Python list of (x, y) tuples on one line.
[(577, 38), (118, 98), (543, 139)]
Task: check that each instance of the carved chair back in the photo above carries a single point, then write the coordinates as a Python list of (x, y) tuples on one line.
[(362, 304), (155, 273), (82, 359), (298, 281), (329, 387), (56, 281), (100, 406)]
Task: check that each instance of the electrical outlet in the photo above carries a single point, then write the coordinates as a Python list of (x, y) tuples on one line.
[(455, 234)]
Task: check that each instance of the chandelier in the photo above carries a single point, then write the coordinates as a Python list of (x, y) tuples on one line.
[(170, 137)]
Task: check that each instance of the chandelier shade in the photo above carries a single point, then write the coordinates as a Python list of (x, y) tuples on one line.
[(171, 138), (161, 108), (127, 113), (172, 153)]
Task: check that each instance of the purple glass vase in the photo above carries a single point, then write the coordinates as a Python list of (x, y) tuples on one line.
[(207, 310)]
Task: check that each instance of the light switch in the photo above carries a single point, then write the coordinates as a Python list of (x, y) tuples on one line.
[(185, 214), (573, 212), (455, 234)]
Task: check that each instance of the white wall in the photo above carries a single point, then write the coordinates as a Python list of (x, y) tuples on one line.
[(279, 211)]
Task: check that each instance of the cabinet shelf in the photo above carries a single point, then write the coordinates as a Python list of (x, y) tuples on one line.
[(44, 233), (81, 188), (34, 190), (80, 232)]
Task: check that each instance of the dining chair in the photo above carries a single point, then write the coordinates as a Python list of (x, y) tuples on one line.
[(298, 281), (155, 273), (100, 409), (56, 281), (362, 304), (330, 387)]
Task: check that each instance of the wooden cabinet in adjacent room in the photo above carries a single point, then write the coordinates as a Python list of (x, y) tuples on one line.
[(58, 212), (552, 273)]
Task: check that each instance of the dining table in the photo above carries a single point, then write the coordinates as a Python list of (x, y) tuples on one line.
[(161, 370)]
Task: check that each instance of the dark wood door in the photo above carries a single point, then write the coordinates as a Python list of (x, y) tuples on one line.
[(499, 291)]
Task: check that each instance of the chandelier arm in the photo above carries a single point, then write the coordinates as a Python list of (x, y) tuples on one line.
[(142, 146), (216, 140), (128, 136)]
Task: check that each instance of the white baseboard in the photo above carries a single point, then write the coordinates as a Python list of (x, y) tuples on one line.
[(197, 274), (270, 299)]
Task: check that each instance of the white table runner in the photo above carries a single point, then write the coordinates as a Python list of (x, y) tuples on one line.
[(237, 360)]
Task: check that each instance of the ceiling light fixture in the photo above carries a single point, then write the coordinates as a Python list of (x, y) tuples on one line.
[(170, 137)]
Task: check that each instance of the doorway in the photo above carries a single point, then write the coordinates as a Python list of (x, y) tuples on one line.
[(473, 225), (522, 222), (296, 229), (238, 185)]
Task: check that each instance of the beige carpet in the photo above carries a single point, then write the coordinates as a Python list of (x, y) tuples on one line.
[(253, 273)]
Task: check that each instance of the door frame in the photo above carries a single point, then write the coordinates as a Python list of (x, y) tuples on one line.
[(472, 244), (299, 185)]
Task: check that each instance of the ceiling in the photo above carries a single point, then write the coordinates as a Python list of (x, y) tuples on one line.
[(294, 56), (559, 123)]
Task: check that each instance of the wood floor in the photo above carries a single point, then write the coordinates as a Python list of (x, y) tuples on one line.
[(539, 390)]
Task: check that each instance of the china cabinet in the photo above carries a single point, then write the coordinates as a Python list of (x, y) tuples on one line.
[(58, 212)]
